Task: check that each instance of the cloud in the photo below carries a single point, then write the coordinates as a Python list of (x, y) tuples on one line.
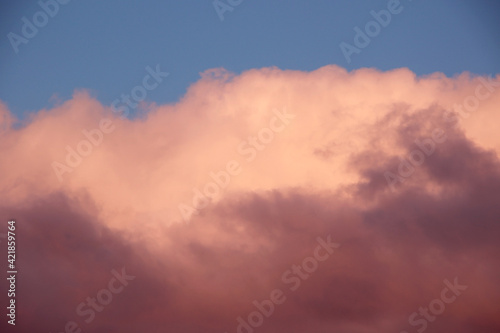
[(322, 174)]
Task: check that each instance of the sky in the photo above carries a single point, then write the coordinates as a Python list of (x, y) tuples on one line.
[(104, 46), (250, 166)]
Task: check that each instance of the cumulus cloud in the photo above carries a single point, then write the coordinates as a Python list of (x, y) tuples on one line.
[(207, 202)]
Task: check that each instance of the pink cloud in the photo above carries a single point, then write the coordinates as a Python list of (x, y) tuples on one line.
[(322, 174)]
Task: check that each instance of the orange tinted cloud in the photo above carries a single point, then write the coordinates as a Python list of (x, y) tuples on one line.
[(311, 153)]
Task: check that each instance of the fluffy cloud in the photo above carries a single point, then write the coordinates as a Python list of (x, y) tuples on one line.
[(283, 182)]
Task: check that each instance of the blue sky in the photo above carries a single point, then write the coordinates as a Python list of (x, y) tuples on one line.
[(104, 46)]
